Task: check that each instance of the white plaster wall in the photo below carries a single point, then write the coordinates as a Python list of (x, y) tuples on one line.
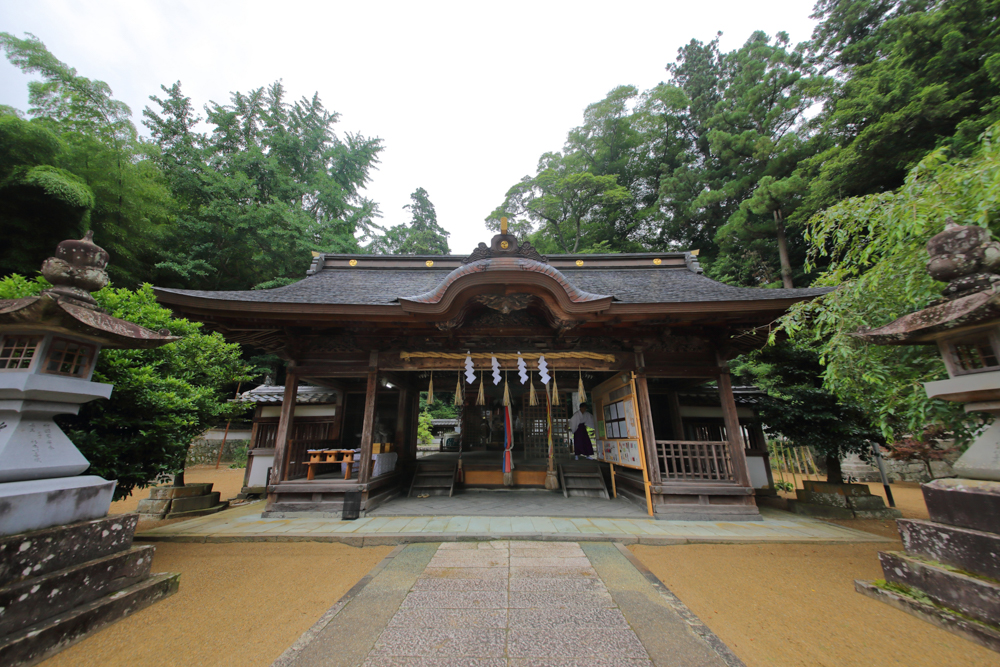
[(327, 410)]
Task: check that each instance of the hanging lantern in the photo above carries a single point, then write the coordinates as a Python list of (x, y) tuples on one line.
[(430, 391)]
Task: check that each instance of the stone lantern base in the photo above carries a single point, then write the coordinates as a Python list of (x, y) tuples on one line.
[(59, 585), (949, 574)]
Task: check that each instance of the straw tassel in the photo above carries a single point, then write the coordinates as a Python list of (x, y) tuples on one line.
[(555, 390), (458, 390), (532, 398), (430, 390), (506, 390), (582, 392), (481, 400)]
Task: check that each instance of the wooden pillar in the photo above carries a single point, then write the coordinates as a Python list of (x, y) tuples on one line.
[(676, 421), (731, 418), (646, 418), (286, 422), (365, 464), (411, 432)]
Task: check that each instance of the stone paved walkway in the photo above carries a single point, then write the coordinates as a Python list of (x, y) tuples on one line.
[(510, 603), (512, 503), (245, 524)]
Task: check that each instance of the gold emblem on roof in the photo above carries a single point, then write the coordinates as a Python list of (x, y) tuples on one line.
[(429, 262), (353, 262), (504, 245), (657, 261), (579, 262)]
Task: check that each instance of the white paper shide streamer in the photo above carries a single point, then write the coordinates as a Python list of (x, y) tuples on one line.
[(470, 373), (496, 370), (543, 369), (522, 368)]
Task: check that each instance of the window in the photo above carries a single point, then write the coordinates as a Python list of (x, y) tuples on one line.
[(615, 425), (974, 354), (17, 352), (69, 358)]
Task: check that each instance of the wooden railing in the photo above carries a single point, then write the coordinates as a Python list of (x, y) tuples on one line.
[(694, 460)]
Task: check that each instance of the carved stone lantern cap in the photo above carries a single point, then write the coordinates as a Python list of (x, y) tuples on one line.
[(965, 258), (77, 269)]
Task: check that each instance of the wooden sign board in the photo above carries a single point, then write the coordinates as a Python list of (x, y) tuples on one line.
[(618, 422)]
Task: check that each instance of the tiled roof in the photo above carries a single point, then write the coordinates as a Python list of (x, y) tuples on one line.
[(274, 393), (376, 280)]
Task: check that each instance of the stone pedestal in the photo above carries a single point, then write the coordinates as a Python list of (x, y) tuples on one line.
[(59, 585), (41, 503), (949, 573), (181, 502), (840, 501)]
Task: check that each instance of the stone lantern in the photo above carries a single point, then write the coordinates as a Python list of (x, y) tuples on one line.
[(66, 567), (954, 559)]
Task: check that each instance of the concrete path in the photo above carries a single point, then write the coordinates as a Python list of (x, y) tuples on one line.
[(509, 603), (244, 524)]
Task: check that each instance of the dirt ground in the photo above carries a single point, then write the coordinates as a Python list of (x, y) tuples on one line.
[(238, 604), (795, 604)]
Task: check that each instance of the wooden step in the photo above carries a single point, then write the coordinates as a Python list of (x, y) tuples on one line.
[(434, 479), (581, 479)]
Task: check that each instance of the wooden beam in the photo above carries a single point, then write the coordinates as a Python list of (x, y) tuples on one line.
[(352, 370), (646, 418), (286, 420), (676, 421), (737, 449), (684, 371), (365, 465)]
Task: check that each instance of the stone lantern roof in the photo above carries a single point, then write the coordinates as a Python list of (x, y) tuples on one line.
[(76, 270)]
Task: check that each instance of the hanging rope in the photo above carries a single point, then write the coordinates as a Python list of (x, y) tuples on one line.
[(506, 390), (532, 398), (481, 399), (508, 457), (551, 481), (580, 390), (508, 356)]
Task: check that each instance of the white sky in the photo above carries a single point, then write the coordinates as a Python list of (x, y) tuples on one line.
[(466, 95)]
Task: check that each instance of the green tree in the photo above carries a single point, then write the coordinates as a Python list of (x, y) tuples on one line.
[(876, 250), (797, 406), (913, 75), (269, 183), (162, 399), (422, 236), (561, 198), (100, 146)]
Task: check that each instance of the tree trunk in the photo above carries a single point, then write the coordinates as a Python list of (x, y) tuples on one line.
[(833, 473), (178, 479), (786, 265)]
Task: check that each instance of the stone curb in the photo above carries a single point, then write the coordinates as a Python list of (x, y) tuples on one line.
[(393, 539), (292, 652), (696, 624)]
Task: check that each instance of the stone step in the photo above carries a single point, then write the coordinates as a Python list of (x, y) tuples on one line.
[(32, 644), (33, 600), (967, 503), (186, 491), (202, 512), (187, 504), (973, 597), (972, 630), (43, 551), (971, 550), (824, 511)]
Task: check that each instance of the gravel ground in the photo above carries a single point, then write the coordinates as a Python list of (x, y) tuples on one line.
[(238, 604), (227, 481), (798, 605)]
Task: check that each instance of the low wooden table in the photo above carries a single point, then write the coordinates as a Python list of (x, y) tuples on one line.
[(321, 456)]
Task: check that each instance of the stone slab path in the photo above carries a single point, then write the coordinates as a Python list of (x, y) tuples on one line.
[(509, 603), (245, 524), (520, 502)]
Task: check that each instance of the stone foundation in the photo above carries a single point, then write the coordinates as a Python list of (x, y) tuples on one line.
[(840, 501), (175, 502), (59, 585)]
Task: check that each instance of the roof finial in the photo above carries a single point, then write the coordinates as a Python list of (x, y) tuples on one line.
[(503, 225)]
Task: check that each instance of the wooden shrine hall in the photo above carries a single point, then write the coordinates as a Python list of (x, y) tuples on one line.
[(638, 331)]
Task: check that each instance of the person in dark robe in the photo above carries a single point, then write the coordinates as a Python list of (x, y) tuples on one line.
[(578, 424)]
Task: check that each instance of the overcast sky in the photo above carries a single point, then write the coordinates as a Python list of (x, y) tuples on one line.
[(465, 95)]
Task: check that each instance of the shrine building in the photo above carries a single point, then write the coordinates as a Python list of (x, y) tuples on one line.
[(646, 335)]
